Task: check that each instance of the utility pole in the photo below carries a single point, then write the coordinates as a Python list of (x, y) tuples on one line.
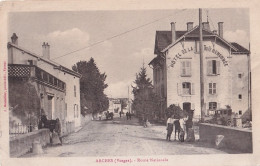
[(201, 67)]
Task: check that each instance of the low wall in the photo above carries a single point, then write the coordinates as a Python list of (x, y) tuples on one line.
[(234, 138), (23, 143)]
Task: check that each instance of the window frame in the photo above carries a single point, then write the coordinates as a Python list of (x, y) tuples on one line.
[(212, 88), (186, 68), (212, 104)]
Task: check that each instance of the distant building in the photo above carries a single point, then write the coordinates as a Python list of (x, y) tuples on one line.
[(115, 105), (176, 71), (57, 87)]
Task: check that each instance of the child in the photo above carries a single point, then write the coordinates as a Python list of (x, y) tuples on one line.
[(169, 127)]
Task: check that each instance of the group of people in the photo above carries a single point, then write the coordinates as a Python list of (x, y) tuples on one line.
[(180, 125), (54, 126)]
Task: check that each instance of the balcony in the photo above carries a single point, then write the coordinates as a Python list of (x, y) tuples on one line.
[(17, 71)]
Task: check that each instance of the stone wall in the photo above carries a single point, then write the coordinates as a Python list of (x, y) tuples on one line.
[(234, 138), (23, 144)]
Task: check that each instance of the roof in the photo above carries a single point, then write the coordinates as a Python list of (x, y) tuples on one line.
[(56, 65), (163, 40), (240, 48)]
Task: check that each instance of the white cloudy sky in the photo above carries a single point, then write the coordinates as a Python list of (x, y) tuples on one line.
[(121, 57)]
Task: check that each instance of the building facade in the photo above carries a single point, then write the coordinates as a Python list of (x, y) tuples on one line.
[(57, 87), (176, 71)]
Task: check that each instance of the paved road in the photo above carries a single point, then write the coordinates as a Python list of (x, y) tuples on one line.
[(122, 138)]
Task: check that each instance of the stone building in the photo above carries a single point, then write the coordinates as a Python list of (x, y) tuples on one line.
[(56, 87), (176, 71)]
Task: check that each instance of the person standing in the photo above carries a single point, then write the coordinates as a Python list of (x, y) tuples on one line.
[(120, 113), (129, 114), (183, 124), (177, 127), (58, 129), (169, 128)]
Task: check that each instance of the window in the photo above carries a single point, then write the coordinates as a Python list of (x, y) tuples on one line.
[(239, 75), (185, 68), (186, 88), (212, 88), (75, 91), (213, 67), (212, 105), (240, 96), (240, 112)]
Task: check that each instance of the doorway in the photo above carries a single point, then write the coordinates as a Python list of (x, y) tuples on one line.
[(187, 106)]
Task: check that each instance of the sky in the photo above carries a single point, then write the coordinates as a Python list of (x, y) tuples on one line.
[(125, 38)]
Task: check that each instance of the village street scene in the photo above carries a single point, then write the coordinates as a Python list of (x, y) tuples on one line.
[(129, 83)]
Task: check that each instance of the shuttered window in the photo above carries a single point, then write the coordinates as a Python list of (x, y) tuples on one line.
[(186, 88), (185, 68), (213, 67), (212, 88)]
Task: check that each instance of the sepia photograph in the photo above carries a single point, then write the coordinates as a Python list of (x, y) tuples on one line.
[(129, 86)]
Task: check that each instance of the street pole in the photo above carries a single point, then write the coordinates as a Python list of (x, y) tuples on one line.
[(201, 67)]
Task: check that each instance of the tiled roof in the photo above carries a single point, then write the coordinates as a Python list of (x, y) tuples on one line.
[(240, 48), (164, 38), (56, 65)]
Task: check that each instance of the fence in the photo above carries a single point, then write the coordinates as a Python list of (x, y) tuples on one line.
[(18, 129)]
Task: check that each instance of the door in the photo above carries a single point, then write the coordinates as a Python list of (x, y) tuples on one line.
[(187, 106)]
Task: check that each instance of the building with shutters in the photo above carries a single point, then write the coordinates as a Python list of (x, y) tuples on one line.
[(176, 71), (56, 87)]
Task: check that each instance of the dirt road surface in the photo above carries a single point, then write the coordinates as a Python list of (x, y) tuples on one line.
[(122, 137)]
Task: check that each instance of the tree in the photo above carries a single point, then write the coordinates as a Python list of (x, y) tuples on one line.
[(123, 104), (92, 86), (176, 111), (145, 100)]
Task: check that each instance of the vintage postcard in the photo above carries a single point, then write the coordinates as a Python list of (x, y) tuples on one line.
[(129, 83)]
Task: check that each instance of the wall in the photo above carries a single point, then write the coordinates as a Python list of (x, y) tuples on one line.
[(187, 52), (234, 138), (240, 85), (23, 144)]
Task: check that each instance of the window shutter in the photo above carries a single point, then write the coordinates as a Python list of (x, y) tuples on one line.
[(207, 106), (209, 67), (188, 67), (218, 67), (192, 89), (182, 68), (179, 86), (218, 105)]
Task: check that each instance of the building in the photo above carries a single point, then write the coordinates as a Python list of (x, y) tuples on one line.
[(115, 105), (56, 87), (176, 71)]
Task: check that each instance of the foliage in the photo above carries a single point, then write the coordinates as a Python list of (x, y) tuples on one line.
[(24, 102), (92, 86), (176, 111), (123, 104), (145, 101)]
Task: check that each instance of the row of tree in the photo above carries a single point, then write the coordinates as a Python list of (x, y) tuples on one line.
[(93, 100), (146, 102), (92, 85)]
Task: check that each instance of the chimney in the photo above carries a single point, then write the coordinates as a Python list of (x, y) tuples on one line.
[(14, 39), (205, 25), (220, 29), (46, 50), (173, 32), (189, 26)]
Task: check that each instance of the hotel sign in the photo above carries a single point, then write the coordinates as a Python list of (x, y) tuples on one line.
[(216, 52), (190, 49)]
